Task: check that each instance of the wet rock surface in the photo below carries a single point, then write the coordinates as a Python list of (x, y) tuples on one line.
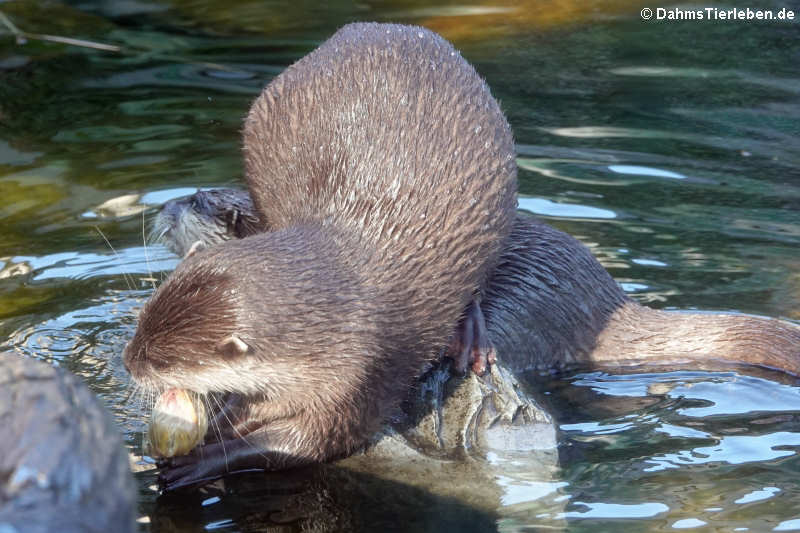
[(440, 461), (63, 466)]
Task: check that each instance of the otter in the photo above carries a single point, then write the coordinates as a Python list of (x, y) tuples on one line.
[(385, 172), (63, 463), (210, 217), (549, 305)]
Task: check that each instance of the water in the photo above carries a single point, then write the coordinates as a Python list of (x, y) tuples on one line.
[(670, 148), (678, 450)]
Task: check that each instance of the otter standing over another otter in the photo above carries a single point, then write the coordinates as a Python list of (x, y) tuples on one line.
[(385, 172)]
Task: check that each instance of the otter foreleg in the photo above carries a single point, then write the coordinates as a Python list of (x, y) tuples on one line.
[(235, 455)]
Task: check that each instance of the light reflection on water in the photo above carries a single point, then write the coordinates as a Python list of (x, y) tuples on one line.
[(540, 206), (732, 439), (74, 265)]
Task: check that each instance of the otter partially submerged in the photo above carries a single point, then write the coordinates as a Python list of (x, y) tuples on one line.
[(387, 172), (63, 466)]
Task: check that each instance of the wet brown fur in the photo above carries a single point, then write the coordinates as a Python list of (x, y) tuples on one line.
[(551, 305), (386, 171)]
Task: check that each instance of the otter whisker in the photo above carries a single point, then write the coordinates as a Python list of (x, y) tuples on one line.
[(146, 254), (157, 233), (212, 419), (241, 436), (128, 280), (219, 430)]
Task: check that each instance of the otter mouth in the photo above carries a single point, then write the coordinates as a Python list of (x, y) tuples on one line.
[(163, 226), (160, 231)]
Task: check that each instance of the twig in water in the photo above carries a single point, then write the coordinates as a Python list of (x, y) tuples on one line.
[(23, 36)]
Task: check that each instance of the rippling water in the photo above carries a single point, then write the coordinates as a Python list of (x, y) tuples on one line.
[(670, 149), (676, 450)]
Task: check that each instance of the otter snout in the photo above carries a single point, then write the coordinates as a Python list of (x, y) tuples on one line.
[(135, 361), (128, 363)]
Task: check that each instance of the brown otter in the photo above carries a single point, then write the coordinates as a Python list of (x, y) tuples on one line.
[(387, 171), (549, 304), (63, 466)]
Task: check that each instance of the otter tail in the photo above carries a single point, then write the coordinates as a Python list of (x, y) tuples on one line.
[(636, 335)]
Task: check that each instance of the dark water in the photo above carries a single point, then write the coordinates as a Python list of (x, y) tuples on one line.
[(672, 149)]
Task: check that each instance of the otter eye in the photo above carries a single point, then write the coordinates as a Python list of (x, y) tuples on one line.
[(232, 346)]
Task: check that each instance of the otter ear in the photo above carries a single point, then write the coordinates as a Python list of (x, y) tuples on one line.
[(194, 248), (232, 346)]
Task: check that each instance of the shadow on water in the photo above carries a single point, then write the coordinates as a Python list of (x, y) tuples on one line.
[(329, 498)]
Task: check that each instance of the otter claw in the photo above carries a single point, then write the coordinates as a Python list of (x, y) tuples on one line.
[(172, 476), (482, 358), (471, 346), (196, 247)]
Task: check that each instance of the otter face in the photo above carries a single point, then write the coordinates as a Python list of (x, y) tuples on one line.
[(260, 315), (186, 330), (210, 217)]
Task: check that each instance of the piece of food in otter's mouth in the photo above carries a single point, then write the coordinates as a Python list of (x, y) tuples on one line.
[(178, 424)]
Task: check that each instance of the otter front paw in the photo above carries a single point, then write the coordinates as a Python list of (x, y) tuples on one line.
[(213, 461), (200, 466), (187, 470), (471, 344)]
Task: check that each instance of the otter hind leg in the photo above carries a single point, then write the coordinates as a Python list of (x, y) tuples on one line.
[(471, 344)]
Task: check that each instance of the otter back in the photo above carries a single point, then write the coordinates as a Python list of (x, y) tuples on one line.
[(387, 133)]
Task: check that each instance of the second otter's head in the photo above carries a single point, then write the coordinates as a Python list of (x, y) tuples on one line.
[(208, 216)]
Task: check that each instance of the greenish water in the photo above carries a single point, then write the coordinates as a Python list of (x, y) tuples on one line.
[(672, 149)]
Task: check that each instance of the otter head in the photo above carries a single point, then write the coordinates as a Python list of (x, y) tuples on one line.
[(189, 328), (271, 317), (208, 216)]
